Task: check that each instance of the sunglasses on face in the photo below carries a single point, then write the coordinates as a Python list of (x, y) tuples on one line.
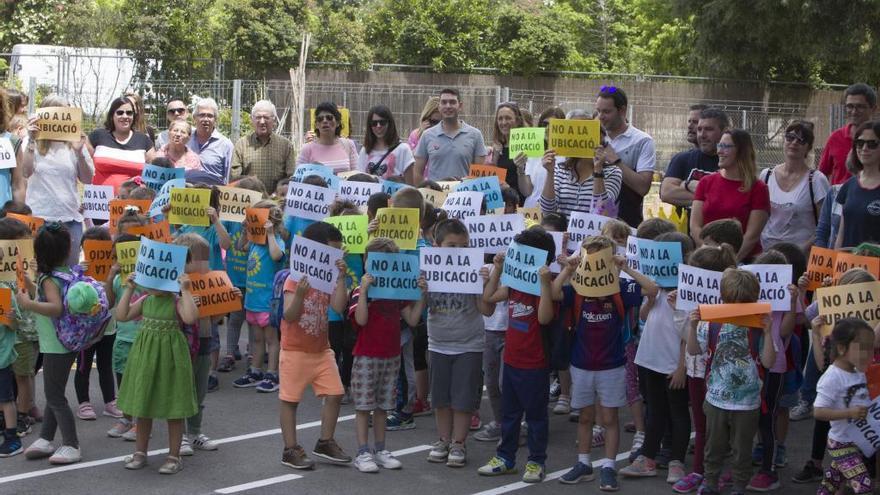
[(325, 118), (871, 144), (379, 123), (176, 111), (608, 89), (791, 137), (127, 113)]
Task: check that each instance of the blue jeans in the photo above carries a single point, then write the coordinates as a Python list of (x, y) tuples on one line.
[(76, 233), (524, 391), (811, 378)]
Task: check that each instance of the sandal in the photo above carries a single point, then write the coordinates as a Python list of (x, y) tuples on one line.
[(136, 461), (172, 465)]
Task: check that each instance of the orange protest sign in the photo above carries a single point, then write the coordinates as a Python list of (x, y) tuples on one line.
[(843, 261), (480, 170), (819, 266), (256, 219), (117, 208), (34, 223), (873, 376), (160, 232), (99, 255), (5, 306), (214, 293), (744, 314)]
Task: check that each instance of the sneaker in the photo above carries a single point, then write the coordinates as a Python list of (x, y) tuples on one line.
[(39, 449), (365, 463), (496, 466), (663, 457), (608, 480), (120, 428), (213, 386), (227, 364), (803, 410), (638, 441), (598, 436), (688, 484), (555, 390), (24, 425), (725, 480), (534, 473), (385, 459), (172, 465), (758, 454), (491, 432), (66, 455), (249, 379), (574, 416), (579, 472), (330, 450), (11, 447), (422, 408), (131, 434), (111, 410), (269, 383), (809, 474), (457, 455), (475, 421), (296, 458), (86, 412), (780, 460), (563, 405), (202, 442), (186, 447), (763, 481), (439, 451), (676, 472), (640, 468), (707, 490), (397, 421)]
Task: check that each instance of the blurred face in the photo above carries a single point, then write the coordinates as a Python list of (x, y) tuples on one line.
[(868, 148), (860, 351), (379, 126), (326, 123), (449, 106), (178, 134), (123, 117), (263, 122), (858, 110), (206, 120), (506, 120), (335, 244), (455, 240), (176, 111), (281, 189), (693, 120), (708, 135), (609, 116), (795, 146), (726, 152)]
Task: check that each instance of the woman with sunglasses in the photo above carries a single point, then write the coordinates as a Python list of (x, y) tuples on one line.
[(119, 152), (507, 117), (860, 195), (329, 149), (179, 132), (796, 191), (532, 183), (383, 154), (429, 117)]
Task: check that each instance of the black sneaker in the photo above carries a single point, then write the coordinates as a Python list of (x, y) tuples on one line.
[(213, 383), (331, 451), (11, 447), (25, 423), (809, 474)]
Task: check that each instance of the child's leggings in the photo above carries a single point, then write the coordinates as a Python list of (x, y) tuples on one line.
[(697, 393), (771, 392), (847, 467)]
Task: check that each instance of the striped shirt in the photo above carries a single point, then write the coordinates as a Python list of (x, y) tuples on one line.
[(572, 195)]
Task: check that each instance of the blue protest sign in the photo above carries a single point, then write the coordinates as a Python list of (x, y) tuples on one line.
[(660, 260), (306, 169), (164, 196), (521, 266), (395, 276), (489, 186), (391, 187), (155, 177), (159, 265)]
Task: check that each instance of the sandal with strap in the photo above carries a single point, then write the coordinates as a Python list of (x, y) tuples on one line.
[(136, 461), (173, 465)]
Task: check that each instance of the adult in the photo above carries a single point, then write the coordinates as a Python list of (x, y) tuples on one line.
[(330, 149), (429, 117), (860, 102), (687, 167), (175, 149), (175, 110), (860, 195), (694, 112), (12, 183), (451, 146), (508, 116), (383, 154), (264, 154), (52, 169), (796, 191), (532, 184), (733, 192), (214, 149), (119, 152), (631, 150)]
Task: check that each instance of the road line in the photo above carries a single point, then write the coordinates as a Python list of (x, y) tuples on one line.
[(519, 485)]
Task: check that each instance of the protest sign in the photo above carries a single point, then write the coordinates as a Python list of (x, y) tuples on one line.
[(96, 201), (33, 223), (558, 241), (632, 253), (528, 140), (234, 201), (819, 266), (126, 257), (118, 206), (354, 231), (448, 186), (7, 154), (6, 313), (160, 231), (358, 192), (308, 201), (59, 123), (452, 270), (346, 119), (582, 225), (17, 257), (390, 187), (774, 280), (462, 205), (159, 265), (744, 314), (660, 260), (478, 170), (189, 206), (574, 138), (155, 177), (520, 271), (214, 293), (395, 276), (533, 214), (316, 261), (851, 300), (401, 225), (164, 197), (489, 186), (99, 255), (843, 261), (596, 274), (304, 170), (493, 233), (865, 433), (435, 198), (255, 224), (697, 286)]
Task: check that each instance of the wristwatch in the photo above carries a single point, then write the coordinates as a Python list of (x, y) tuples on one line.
[(686, 184), (598, 175)]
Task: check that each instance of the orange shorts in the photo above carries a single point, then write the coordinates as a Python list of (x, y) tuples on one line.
[(297, 370)]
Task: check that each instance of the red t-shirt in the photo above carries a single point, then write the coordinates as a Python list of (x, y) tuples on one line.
[(833, 162), (523, 342), (309, 334), (722, 199), (380, 337)]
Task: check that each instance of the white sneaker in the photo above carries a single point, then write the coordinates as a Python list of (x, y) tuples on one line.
[(186, 447), (66, 455), (563, 405), (365, 463), (638, 441), (202, 442), (803, 410), (386, 459), (39, 449)]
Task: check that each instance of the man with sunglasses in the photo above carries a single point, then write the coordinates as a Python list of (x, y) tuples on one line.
[(264, 154), (860, 102), (175, 109), (214, 149)]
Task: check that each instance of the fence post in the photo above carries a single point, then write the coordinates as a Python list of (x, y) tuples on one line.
[(498, 99), (32, 95), (236, 109), (745, 123)]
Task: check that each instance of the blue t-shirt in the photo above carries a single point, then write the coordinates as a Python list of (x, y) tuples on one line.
[(236, 261), (209, 233), (6, 173), (355, 264), (261, 270), (599, 338)]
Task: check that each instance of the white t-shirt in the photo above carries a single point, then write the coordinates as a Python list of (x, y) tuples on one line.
[(51, 190), (840, 389), (498, 321), (660, 343), (791, 213), (394, 164)]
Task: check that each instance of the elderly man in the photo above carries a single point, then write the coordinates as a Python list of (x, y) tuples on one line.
[(175, 110), (214, 149), (263, 154)]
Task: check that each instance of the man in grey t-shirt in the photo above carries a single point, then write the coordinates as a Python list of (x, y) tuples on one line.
[(450, 146)]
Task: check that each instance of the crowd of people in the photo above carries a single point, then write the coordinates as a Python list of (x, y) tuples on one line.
[(734, 387)]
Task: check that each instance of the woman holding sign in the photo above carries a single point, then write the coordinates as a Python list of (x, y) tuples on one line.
[(329, 148), (118, 150), (383, 154), (860, 195), (507, 117)]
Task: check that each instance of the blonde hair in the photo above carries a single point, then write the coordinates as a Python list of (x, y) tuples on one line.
[(596, 243), (745, 157), (275, 215), (431, 106), (739, 286), (199, 249), (616, 229), (381, 245)]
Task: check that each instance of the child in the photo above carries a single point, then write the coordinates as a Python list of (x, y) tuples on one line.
[(375, 202), (263, 262), (841, 398), (280, 192), (306, 357), (526, 369), (158, 377), (724, 231), (8, 356), (377, 361), (733, 383), (130, 218), (142, 192)]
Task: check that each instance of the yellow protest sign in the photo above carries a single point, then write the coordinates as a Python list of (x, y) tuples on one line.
[(852, 300), (401, 225), (17, 256), (448, 186), (188, 206), (346, 119), (354, 231), (436, 198), (234, 201), (59, 123), (126, 257), (533, 214), (596, 274), (574, 138)]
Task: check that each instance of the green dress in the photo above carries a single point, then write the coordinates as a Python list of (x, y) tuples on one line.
[(158, 378)]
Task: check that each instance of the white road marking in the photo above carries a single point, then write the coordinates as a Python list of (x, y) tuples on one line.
[(519, 485)]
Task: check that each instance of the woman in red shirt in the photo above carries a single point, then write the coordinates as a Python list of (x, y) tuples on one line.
[(733, 192)]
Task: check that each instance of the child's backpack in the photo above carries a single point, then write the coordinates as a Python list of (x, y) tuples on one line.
[(276, 314), (755, 341), (84, 310)]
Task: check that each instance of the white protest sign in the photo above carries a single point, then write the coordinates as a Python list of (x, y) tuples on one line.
[(557, 239), (96, 201), (7, 154), (493, 233), (463, 204), (697, 286), (582, 225), (865, 433), (234, 201), (452, 270), (316, 261), (308, 201), (358, 192), (774, 280)]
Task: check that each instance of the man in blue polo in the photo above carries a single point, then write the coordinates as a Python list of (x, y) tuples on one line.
[(214, 149), (449, 148)]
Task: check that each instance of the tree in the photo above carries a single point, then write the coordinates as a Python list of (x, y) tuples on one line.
[(30, 21), (339, 35), (263, 35)]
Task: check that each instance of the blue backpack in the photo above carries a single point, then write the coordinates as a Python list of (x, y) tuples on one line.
[(277, 312)]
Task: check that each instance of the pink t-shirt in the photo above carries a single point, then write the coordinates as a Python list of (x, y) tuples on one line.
[(340, 156), (189, 160)]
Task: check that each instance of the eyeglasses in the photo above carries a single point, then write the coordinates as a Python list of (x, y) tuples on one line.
[(724, 146), (608, 89), (205, 115), (871, 144), (379, 123), (127, 113), (791, 137), (325, 118), (176, 111), (855, 106)]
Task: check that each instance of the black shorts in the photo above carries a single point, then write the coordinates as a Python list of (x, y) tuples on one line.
[(7, 385)]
